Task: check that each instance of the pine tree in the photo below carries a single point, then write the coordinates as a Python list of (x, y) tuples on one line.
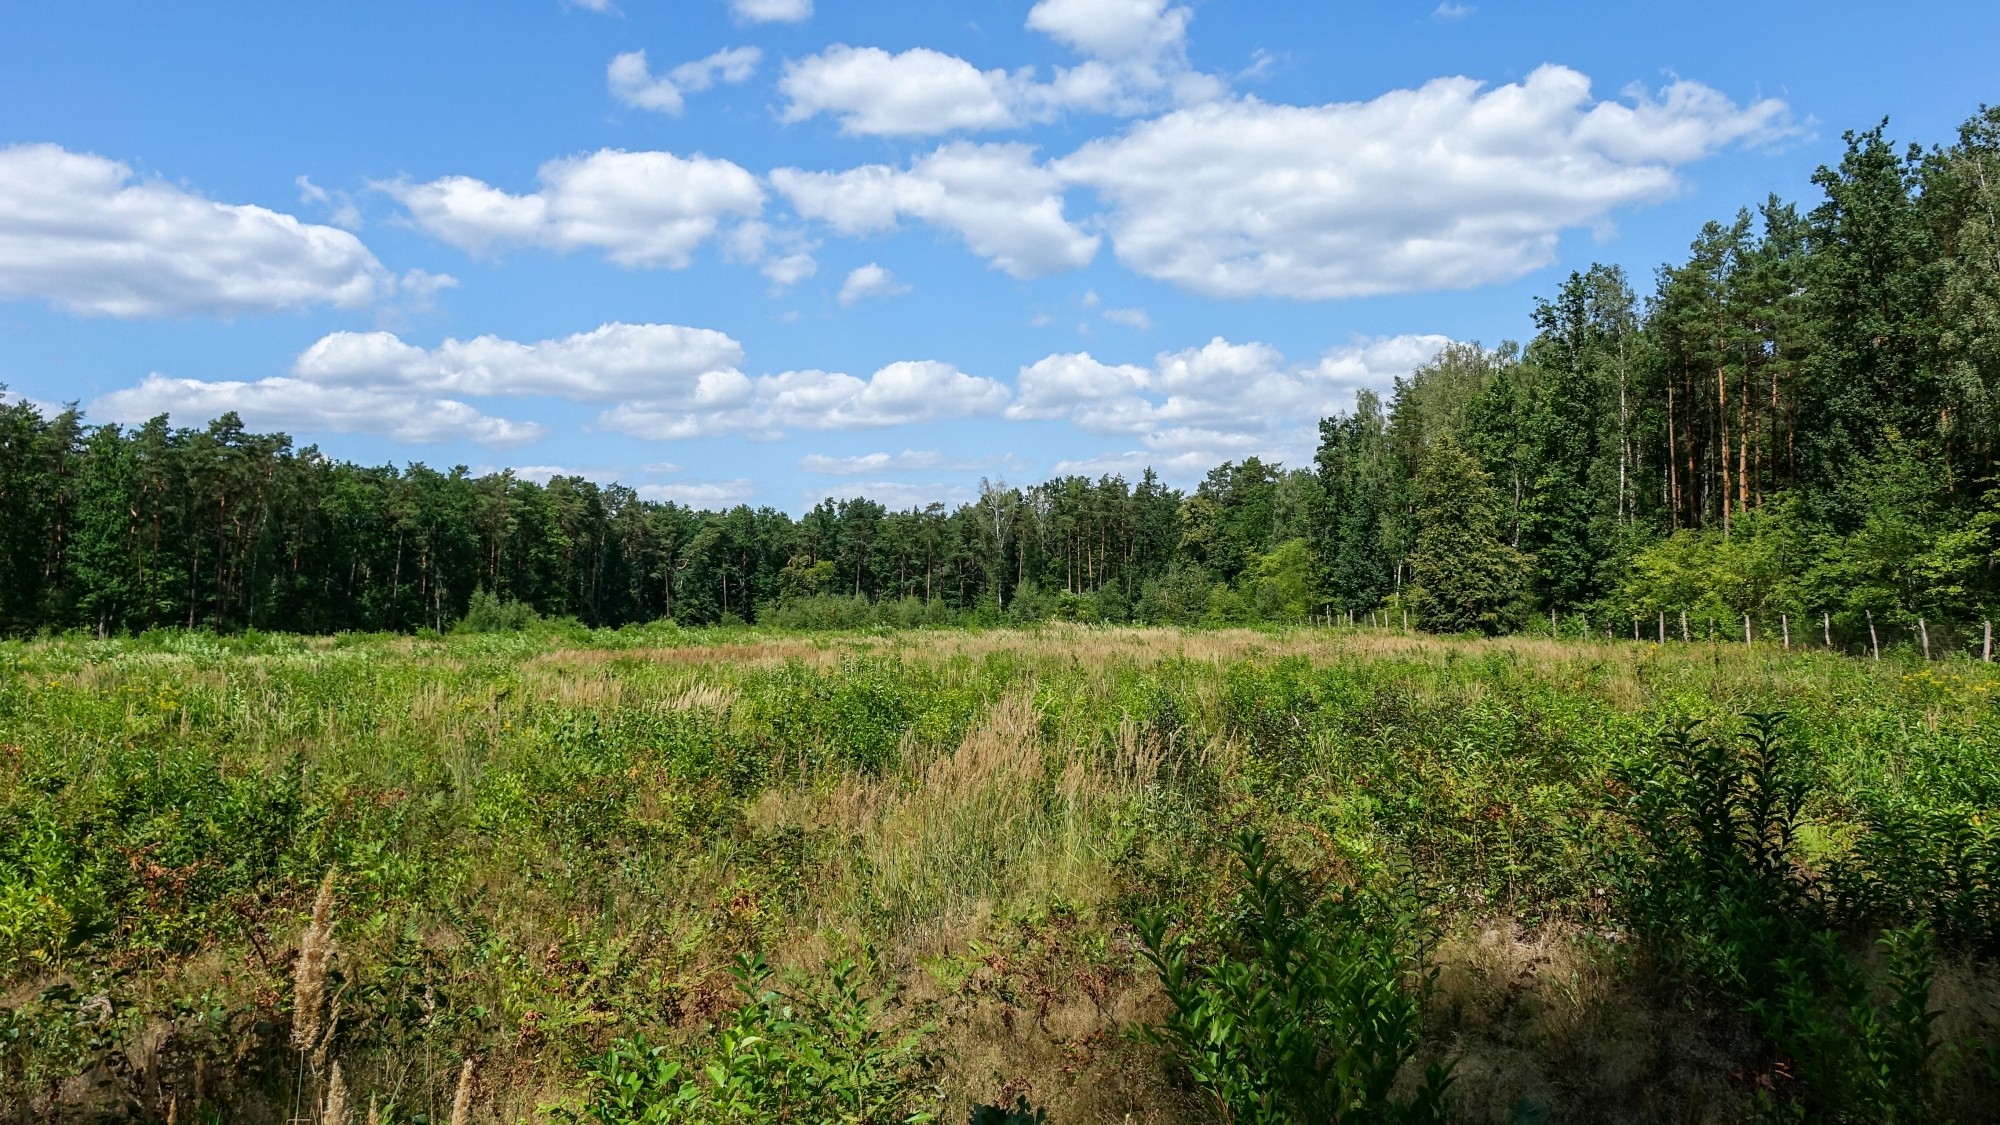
[(1466, 578)]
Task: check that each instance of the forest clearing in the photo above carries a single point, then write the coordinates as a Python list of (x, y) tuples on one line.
[(660, 875)]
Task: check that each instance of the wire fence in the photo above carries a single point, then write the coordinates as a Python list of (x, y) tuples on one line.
[(1852, 633)]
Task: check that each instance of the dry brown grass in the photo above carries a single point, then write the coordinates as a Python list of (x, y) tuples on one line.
[(309, 972)]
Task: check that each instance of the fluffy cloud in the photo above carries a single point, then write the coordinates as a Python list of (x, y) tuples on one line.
[(1193, 408), (902, 393), (1077, 386), (871, 280), (83, 233), (772, 11), (1451, 185), (298, 404), (1113, 28), (658, 381), (875, 93), (1446, 186), (659, 362), (634, 84), (897, 495), (1007, 207), (1137, 61), (639, 208), (909, 460), (374, 382), (701, 494)]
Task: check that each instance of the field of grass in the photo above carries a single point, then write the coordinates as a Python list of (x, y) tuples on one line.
[(564, 858)]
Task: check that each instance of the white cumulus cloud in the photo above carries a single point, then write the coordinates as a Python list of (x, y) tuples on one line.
[(664, 362), (772, 11), (85, 234), (909, 460), (639, 208), (1136, 61), (286, 403), (871, 280), (701, 493), (875, 93), (633, 83), (1193, 408), (374, 382), (1007, 207), (1450, 185), (898, 394), (897, 495), (902, 393), (1113, 28)]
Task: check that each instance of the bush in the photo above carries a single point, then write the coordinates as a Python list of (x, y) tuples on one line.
[(841, 611), (1723, 897), (1304, 1013), (488, 613), (818, 1053)]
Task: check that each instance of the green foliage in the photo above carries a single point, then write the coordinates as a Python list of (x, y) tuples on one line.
[(553, 841), (1466, 578), (815, 1052), (1280, 583), (1755, 570), (1722, 892), (1306, 1011), (488, 613)]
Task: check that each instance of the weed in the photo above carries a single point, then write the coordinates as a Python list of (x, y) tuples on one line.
[(1304, 1011)]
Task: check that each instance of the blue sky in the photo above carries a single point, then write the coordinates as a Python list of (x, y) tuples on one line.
[(808, 247)]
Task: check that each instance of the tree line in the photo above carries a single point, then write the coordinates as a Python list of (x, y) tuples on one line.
[(1798, 422)]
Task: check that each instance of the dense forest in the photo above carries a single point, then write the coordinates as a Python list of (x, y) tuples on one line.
[(1798, 427)]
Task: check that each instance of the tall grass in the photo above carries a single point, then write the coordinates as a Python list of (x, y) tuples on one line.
[(551, 841)]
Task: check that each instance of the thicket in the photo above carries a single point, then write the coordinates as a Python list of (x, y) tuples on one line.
[(1797, 425), (1298, 875)]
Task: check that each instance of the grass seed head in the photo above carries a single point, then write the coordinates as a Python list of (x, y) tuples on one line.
[(309, 971), (336, 1111), (461, 1104)]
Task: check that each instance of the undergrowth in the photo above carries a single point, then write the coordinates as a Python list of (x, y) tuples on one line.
[(620, 876)]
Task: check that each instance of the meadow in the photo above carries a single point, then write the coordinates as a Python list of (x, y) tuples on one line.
[(1067, 874)]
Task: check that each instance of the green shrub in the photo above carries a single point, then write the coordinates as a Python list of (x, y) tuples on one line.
[(1306, 1011), (1722, 895), (820, 1052), (489, 613)]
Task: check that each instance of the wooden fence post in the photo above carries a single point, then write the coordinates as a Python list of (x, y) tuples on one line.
[(1989, 641), (1406, 621), (1663, 626), (1874, 642), (1746, 628), (1785, 623), (1684, 627), (1826, 622), (1924, 631)]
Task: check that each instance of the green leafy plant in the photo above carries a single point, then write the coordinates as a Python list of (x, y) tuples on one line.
[(1306, 1008), (1721, 894), (487, 612), (818, 1052)]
